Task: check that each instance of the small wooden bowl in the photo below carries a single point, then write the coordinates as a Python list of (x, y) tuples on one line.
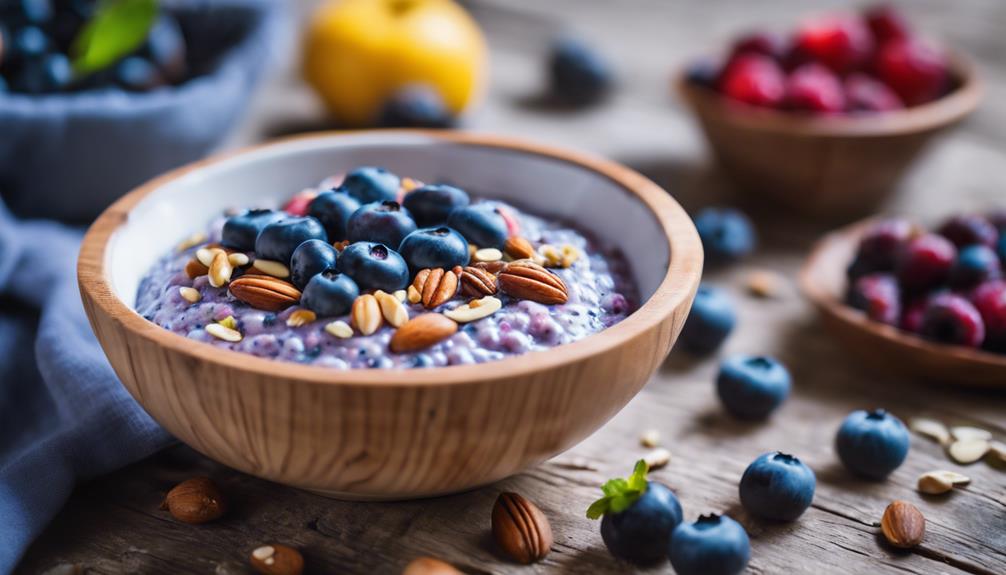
[(835, 167), (823, 281), (378, 433)]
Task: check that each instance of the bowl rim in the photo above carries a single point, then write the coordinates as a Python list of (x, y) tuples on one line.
[(949, 108), (680, 281), (818, 294)]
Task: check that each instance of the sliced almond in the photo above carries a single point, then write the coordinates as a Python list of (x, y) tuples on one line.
[(413, 295), (224, 333), (366, 314), (942, 481), (650, 438), (220, 269), (422, 332), (488, 255), (400, 295), (189, 294), (965, 451), (962, 432), (931, 429), (238, 259), (274, 269), (206, 255), (657, 458), (301, 317), (475, 309), (392, 309), (339, 329)]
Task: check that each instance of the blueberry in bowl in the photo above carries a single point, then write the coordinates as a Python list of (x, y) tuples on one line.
[(310, 259), (333, 208), (436, 247), (430, 205), (330, 293), (374, 266), (241, 230), (384, 222), (371, 184), (482, 225), (872, 444), (278, 240), (777, 486)]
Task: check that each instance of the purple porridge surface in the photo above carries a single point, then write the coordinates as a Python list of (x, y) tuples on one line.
[(600, 295)]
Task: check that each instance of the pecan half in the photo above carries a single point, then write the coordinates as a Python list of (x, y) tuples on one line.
[(265, 292), (491, 267), (195, 268), (477, 282), (524, 279), (436, 286), (520, 528)]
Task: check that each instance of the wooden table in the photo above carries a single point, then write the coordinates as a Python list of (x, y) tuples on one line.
[(113, 525)]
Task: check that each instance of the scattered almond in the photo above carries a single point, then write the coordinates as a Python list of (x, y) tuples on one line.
[(277, 559), (964, 432), (429, 566), (437, 286), (942, 481), (477, 282), (413, 295), (195, 268), (475, 309), (966, 451), (903, 525), (657, 458), (339, 329), (223, 332), (520, 528), (274, 269), (366, 314), (518, 248), (192, 241), (650, 438), (997, 451), (238, 259), (392, 309), (524, 279), (764, 283), (488, 255), (220, 269), (301, 317), (265, 292), (195, 501), (189, 294), (422, 332), (932, 429)]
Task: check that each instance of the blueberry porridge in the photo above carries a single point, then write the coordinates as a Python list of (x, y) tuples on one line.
[(381, 272)]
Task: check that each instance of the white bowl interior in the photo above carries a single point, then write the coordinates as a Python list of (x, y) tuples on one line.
[(270, 175)]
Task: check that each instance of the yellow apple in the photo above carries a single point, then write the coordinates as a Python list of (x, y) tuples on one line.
[(358, 52)]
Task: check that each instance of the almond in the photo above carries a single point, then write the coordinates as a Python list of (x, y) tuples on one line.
[(391, 308), (518, 248), (421, 332), (520, 528), (429, 566), (277, 559), (524, 279), (487, 255), (195, 268), (475, 309), (195, 501), (903, 525), (220, 269), (477, 282), (437, 286), (265, 292), (301, 317), (366, 314)]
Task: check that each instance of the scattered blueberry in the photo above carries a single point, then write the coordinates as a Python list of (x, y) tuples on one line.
[(975, 264), (713, 545), (374, 266), (370, 184), (752, 387), (777, 486), (330, 294), (950, 318), (969, 229), (711, 320), (138, 74), (480, 224), (439, 247), (431, 204), (310, 259), (333, 209), (726, 234), (416, 106), (878, 296), (872, 444), (578, 74), (381, 222), (240, 231), (925, 261), (279, 239)]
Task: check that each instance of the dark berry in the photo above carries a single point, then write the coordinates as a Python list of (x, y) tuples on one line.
[(34, 11), (914, 310), (374, 266), (990, 301), (887, 23), (165, 47), (370, 184), (330, 294), (381, 222), (279, 239), (925, 261), (915, 70), (754, 79), (640, 534), (872, 444), (480, 224), (241, 231), (880, 245), (138, 74), (713, 545), (333, 209), (29, 42), (878, 296), (814, 88), (439, 247), (969, 229), (712, 318), (975, 264), (842, 43), (764, 43), (704, 72), (430, 205), (777, 486), (950, 318), (752, 387), (727, 234), (578, 74), (415, 106), (310, 259), (866, 94)]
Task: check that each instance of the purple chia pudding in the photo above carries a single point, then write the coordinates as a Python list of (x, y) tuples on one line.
[(600, 295)]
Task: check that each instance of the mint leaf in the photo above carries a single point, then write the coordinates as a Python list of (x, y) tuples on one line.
[(637, 480), (619, 493), (615, 486), (598, 508), (116, 30)]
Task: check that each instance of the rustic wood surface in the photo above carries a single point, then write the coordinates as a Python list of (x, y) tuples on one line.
[(113, 525)]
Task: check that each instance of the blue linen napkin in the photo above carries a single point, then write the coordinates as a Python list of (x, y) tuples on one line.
[(63, 414)]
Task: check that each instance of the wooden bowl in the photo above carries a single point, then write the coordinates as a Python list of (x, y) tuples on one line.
[(823, 281), (836, 167), (390, 434)]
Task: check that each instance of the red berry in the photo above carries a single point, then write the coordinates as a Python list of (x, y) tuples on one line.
[(950, 318), (880, 244), (297, 206), (754, 79), (911, 318), (990, 300), (764, 43), (887, 23), (915, 70), (814, 88), (924, 262), (878, 296), (866, 94), (843, 43), (969, 229)]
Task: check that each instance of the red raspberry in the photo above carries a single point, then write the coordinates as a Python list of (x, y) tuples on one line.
[(925, 262), (764, 43), (887, 23), (866, 94), (297, 206), (754, 79), (814, 88), (915, 70), (843, 43)]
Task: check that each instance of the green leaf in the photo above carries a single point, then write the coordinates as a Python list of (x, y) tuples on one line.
[(598, 508), (615, 486), (116, 30), (619, 493), (637, 481)]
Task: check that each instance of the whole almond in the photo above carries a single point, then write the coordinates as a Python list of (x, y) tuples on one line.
[(366, 314), (392, 309), (520, 528), (436, 286), (477, 282), (524, 279), (265, 292), (903, 525), (429, 566), (195, 501), (518, 248), (421, 332), (195, 268), (275, 559)]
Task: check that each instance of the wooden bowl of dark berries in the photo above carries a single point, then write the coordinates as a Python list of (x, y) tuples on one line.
[(827, 121), (929, 305)]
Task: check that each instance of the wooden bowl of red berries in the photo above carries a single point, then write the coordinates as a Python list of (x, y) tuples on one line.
[(925, 304), (828, 120)]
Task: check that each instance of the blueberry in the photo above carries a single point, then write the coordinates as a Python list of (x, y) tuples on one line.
[(415, 106), (974, 264), (30, 42), (480, 224), (370, 184), (777, 486), (374, 266), (329, 294), (333, 209), (165, 47), (439, 247), (578, 74), (381, 222), (310, 259), (727, 234), (713, 545), (752, 387), (137, 74), (431, 204), (240, 231), (50, 73), (872, 444), (35, 11), (711, 320), (279, 239)]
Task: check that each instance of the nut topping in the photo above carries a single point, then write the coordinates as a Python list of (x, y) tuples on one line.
[(487, 255), (271, 268), (520, 528), (277, 560), (903, 525), (392, 309), (524, 279), (190, 295), (220, 269), (477, 282), (195, 501), (195, 268), (366, 314), (518, 248), (301, 317), (421, 332), (265, 292), (437, 286), (936, 482), (475, 309), (429, 566), (491, 267), (339, 329), (224, 333)]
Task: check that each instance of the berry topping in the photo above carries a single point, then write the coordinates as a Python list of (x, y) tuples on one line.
[(925, 261), (950, 318), (481, 224), (279, 239), (371, 184), (333, 209), (915, 70), (431, 248), (878, 296), (310, 259), (374, 266), (330, 294), (814, 88), (381, 222), (754, 79), (431, 204), (240, 231)]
